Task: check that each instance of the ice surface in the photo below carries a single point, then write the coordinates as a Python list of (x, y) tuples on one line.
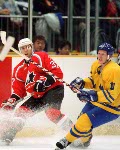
[(48, 143), (46, 135)]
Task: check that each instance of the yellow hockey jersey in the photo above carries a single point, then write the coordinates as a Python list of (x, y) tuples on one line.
[(107, 85)]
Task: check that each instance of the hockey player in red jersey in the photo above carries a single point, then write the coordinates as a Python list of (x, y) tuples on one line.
[(46, 92)]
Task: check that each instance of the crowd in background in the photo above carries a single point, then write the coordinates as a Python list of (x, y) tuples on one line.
[(56, 11)]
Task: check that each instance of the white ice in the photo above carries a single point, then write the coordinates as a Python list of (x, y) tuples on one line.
[(46, 139), (48, 143)]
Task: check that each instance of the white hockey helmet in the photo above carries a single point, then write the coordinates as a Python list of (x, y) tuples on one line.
[(24, 42)]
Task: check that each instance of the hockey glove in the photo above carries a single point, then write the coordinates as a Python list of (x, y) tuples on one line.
[(43, 83), (77, 83), (87, 96), (10, 103)]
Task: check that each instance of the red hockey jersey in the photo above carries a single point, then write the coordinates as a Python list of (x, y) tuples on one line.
[(26, 74), (19, 79)]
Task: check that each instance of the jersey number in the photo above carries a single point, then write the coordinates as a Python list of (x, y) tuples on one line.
[(54, 65), (112, 85)]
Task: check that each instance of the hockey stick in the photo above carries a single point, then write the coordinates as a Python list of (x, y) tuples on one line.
[(3, 38), (6, 48), (20, 102)]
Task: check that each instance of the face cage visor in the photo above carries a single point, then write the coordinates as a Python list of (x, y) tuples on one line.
[(28, 47)]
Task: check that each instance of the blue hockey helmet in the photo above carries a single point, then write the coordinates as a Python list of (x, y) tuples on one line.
[(106, 47)]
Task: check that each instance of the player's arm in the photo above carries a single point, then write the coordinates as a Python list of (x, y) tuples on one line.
[(47, 80), (18, 88), (18, 92), (52, 66), (18, 84), (43, 83), (113, 84), (89, 82), (104, 96)]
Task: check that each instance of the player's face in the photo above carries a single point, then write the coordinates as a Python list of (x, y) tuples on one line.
[(39, 45), (26, 50), (102, 56)]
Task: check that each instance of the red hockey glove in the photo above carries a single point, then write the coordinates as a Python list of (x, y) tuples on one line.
[(8, 104), (43, 83)]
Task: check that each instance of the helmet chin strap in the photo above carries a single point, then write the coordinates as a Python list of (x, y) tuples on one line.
[(108, 59)]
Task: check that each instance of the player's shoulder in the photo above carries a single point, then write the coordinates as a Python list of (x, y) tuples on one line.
[(95, 64), (39, 57), (20, 63), (113, 66), (40, 53), (112, 69)]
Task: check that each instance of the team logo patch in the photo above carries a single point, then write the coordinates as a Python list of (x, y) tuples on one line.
[(30, 78)]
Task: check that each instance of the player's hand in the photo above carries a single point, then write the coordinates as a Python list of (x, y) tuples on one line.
[(39, 86), (43, 83), (77, 83), (5, 11), (87, 96), (8, 104)]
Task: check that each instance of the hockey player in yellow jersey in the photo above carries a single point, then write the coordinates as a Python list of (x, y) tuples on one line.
[(102, 98)]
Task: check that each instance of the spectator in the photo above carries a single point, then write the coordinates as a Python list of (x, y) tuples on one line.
[(14, 10), (13, 23), (64, 48), (51, 20), (4, 11), (79, 26), (23, 6), (110, 8), (48, 6), (39, 43), (80, 6), (107, 27)]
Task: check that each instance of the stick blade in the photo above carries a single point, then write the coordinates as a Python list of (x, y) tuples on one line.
[(6, 48), (3, 36)]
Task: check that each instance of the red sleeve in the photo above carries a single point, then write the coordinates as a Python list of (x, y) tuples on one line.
[(40, 61), (18, 81), (48, 63), (53, 67)]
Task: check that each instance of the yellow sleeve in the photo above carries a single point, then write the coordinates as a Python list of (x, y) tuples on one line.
[(89, 82), (111, 89)]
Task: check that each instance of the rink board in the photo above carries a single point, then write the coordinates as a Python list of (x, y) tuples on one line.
[(72, 67), (5, 78)]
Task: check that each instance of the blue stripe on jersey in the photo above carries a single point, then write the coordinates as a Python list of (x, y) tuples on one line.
[(106, 96), (110, 95), (92, 82), (112, 107)]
